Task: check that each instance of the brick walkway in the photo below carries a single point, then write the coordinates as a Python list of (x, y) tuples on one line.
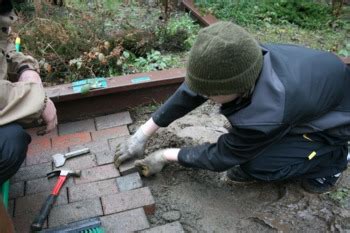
[(116, 196)]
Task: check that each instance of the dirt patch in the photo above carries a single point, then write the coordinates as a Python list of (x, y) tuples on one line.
[(204, 201)]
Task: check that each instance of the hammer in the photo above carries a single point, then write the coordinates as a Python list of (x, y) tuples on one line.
[(47, 205)]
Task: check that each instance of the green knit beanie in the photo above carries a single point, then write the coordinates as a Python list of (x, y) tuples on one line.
[(225, 59)]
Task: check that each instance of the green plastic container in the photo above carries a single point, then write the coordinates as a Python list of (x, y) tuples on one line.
[(4, 191)]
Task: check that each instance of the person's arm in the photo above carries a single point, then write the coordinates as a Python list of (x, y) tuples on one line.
[(179, 104)]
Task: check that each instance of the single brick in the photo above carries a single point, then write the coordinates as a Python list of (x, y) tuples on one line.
[(33, 133), (76, 127), (128, 221), (22, 223), (105, 157), (113, 120), (17, 190), (39, 145), (76, 211), (127, 167), (129, 200), (80, 162), (91, 190), (113, 142), (31, 204), (110, 133), (174, 227), (94, 147), (32, 172), (129, 182), (43, 156), (45, 185), (97, 173), (68, 140)]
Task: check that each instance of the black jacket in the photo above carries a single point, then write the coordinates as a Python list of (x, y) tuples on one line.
[(299, 91)]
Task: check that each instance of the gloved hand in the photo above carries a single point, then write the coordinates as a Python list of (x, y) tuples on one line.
[(153, 163), (132, 148)]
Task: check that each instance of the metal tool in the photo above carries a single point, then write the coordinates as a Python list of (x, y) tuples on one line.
[(60, 159), (47, 205)]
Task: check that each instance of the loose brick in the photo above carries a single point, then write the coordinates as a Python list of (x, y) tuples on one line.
[(31, 204), (129, 182), (113, 120), (32, 172), (105, 157), (129, 200), (94, 147), (68, 140), (113, 142), (174, 227), (76, 211), (22, 223), (16, 190), (80, 162), (45, 185), (127, 167), (39, 145), (128, 221), (91, 190), (110, 133), (33, 133), (97, 173), (76, 127), (43, 156)]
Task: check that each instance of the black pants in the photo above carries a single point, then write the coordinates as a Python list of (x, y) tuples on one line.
[(289, 158), (14, 143)]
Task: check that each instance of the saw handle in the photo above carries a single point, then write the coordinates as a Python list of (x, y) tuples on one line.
[(39, 220), (76, 153)]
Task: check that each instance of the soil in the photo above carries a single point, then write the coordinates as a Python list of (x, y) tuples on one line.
[(204, 201)]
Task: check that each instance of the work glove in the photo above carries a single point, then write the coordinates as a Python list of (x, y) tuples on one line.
[(49, 113), (131, 148), (153, 163)]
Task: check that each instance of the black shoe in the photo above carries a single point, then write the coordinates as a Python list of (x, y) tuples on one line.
[(321, 185), (236, 174)]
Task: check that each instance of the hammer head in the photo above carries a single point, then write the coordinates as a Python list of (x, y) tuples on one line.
[(64, 172)]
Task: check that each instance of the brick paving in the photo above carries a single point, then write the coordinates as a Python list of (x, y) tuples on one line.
[(116, 196)]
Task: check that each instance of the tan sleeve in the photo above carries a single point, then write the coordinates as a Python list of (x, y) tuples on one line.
[(22, 102), (16, 61)]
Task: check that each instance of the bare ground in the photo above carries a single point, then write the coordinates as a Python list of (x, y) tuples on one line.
[(204, 201)]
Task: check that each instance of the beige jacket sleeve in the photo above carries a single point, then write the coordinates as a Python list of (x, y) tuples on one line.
[(21, 102)]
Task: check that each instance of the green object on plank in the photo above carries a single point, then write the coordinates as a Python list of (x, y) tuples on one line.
[(84, 86), (140, 80), (5, 190)]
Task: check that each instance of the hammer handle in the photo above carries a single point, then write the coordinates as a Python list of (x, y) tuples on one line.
[(39, 220)]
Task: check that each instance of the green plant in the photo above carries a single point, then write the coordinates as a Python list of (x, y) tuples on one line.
[(340, 195), (345, 52)]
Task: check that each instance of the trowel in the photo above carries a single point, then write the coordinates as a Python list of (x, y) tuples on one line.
[(60, 159)]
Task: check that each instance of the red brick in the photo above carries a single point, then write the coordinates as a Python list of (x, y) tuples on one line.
[(127, 167), (76, 211), (94, 147), (43, 156), (174, 227), (97, 173), (129, 182), (32, 172), (68, 140), (129, 200), (45, 185), (77, 127), (113, 120), (128, 221), (33, 133), (16, 190), (91, 190), (22, 223), (31, 204), (80, 162), (104, 157), (113, 142), (110, 133), (39, 145)]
